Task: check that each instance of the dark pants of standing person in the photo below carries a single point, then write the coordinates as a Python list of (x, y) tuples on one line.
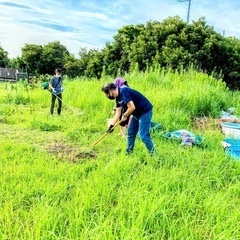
[(59, 97)]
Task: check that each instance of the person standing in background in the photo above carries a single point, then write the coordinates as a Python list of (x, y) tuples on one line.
[(56, 88)]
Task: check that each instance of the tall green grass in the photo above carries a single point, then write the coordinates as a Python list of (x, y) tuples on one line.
[(180, 193)]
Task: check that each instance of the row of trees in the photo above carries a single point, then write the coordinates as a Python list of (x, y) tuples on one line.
[(170, 43)]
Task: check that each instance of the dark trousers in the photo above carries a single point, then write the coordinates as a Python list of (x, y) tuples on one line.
[(59, 97)]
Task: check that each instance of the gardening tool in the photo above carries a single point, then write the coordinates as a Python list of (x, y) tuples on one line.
[(77, 113), (105, 134), (90, 154), (45, 86)]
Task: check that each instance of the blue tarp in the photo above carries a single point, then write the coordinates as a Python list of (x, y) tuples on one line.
[(155, 126), (232, 147)]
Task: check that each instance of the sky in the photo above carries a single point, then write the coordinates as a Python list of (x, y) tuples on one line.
[(91, 24)]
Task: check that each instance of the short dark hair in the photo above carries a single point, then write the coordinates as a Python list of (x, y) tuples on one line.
[(58, 70), (108, 86)]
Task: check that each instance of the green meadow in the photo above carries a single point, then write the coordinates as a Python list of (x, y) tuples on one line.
[(55, 185)]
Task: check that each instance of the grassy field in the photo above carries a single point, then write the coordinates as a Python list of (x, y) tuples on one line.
[(55, 185)]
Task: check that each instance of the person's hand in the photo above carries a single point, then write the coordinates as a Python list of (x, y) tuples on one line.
[(124, 118), (114, 111), (53, 90), (110, 129), (62, 89), (123, 123)]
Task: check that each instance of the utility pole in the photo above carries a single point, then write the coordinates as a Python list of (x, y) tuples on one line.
[(189, 6)]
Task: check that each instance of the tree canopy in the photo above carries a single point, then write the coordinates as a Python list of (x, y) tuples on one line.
[(171, 43), (4, 60)]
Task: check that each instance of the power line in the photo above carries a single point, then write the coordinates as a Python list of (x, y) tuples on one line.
[(196, 14), (189, 6)]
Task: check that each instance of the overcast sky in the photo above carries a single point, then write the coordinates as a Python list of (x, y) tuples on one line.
[(92, 23)]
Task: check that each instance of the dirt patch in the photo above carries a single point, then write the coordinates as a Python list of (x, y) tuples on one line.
[(84, 155), (72, 154), (205, 123)]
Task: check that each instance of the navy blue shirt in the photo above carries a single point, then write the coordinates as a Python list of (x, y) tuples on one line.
[(142, 104), (56, 82)]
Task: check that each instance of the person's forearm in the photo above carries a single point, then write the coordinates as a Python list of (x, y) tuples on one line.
[(116, 116), (130, 108), (50, 85), (129, 111)]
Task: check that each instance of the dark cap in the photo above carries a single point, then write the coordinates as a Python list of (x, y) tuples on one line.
[(108, 86)]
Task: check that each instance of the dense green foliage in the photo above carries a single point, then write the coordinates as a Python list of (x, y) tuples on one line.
[(176, 44), (171, 43), (180, 193), (45, 59), (3, 57)]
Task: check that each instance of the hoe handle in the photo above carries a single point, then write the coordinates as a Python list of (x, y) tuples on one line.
[(105, 134)]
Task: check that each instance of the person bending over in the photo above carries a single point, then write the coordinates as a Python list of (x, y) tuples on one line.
[(137, 105)]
